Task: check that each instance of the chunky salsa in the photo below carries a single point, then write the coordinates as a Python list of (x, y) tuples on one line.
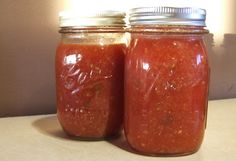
[(89, 81), (166, 93)]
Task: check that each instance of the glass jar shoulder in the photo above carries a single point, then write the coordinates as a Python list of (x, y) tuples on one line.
[(162, 42), (177, 56)]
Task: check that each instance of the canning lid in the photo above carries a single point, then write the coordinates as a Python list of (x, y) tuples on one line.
[(92, 19), (167, 16)]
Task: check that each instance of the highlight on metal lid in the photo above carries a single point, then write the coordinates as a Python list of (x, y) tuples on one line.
[(167, 16), (92, 19)]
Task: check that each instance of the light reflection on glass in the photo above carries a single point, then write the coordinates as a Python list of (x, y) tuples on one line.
[(146, 66), (199, 59), (72, 59)]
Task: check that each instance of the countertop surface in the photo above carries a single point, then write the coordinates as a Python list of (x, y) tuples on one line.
[(40, 138)]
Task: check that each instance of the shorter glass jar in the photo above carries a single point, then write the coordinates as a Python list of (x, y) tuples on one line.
[(166, 81), (89, 74)]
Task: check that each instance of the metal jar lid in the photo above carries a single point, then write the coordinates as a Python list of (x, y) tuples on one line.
[(167, 16), (92, 19)]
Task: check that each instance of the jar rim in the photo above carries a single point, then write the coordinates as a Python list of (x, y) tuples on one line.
[(176, 29), (96, 29)]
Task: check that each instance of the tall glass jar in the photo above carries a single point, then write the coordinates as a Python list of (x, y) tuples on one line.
[(89, 74), (166, 80)]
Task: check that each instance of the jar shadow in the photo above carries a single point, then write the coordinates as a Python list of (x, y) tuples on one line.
[(120, 142), (50, 126)]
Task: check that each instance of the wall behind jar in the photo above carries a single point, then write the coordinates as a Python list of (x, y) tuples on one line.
[(28, 39)]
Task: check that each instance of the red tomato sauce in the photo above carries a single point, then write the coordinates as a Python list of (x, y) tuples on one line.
[(89, 81), (166, 93)]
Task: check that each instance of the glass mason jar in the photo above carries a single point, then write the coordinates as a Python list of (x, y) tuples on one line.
[(166, 80), (89, 74)]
